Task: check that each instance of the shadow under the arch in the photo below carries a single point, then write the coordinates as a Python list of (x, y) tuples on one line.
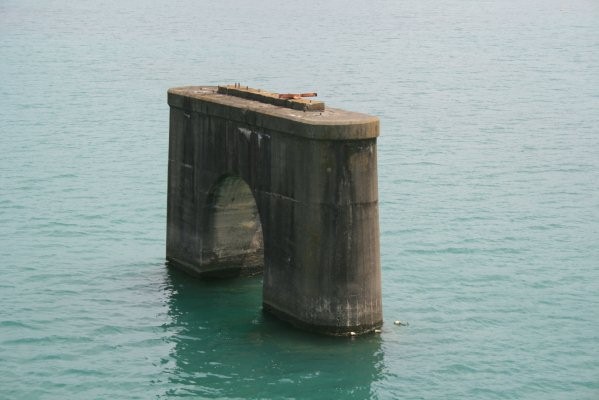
[(225, 346), (232, 239)]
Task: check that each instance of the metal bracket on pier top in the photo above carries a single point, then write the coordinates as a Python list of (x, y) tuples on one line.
[(289, 100)]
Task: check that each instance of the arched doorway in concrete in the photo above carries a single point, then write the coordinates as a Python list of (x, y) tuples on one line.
[(232, 239)]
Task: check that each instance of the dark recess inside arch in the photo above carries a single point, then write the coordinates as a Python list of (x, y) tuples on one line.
[(232, 235)]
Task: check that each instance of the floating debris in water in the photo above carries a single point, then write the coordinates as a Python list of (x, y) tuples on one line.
[(377, 331), (400, 323), (352, 333)]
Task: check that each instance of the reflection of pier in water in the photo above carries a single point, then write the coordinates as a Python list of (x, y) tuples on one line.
[(225, 346)]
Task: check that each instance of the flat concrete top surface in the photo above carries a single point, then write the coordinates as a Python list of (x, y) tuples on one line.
[(330, 124)]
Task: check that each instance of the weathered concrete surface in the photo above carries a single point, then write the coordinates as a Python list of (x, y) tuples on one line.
[(251, 182)]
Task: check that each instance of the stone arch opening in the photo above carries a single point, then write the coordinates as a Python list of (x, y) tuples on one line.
[(232, 238)]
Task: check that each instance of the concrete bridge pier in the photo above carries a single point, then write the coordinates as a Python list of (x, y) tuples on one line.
[(290, 188)]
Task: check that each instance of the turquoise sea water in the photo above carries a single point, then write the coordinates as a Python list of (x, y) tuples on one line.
[(489, 198)]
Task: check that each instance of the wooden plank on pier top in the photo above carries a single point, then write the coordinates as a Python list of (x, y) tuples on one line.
[(294, 101)]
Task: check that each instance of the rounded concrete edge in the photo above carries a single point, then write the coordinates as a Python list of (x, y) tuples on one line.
[(331, 124)]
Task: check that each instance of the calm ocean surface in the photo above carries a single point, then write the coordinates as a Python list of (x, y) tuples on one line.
[(489, 198)]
